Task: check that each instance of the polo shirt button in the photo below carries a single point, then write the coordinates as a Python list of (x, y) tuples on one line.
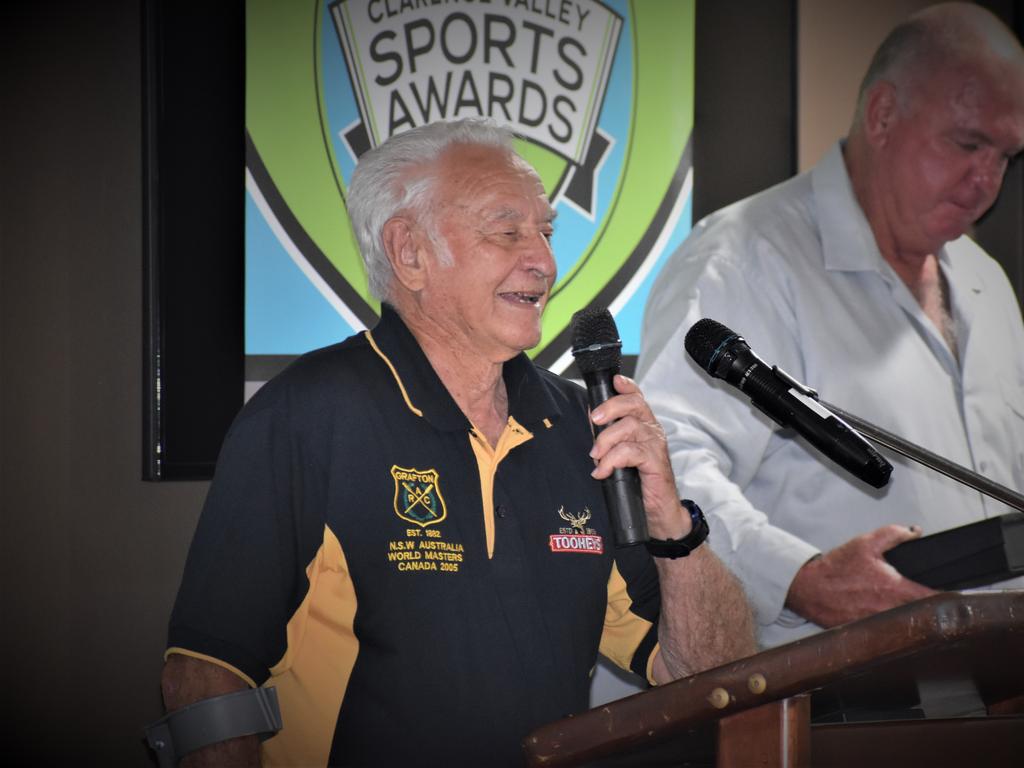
[(501, 511)]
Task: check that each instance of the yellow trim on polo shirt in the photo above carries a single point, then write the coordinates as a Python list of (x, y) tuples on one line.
[(623, 629), (313, 675), (387, 362), (487, 461)]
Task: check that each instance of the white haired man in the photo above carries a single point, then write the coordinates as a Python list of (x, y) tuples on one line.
[(856, 278), (376, 543)]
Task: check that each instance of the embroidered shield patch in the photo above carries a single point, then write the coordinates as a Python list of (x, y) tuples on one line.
[(418, 496)]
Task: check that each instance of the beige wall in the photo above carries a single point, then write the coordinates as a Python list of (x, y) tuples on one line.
[(836, 39)]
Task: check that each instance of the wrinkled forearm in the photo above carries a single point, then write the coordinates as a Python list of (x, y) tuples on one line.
[(705, 618)]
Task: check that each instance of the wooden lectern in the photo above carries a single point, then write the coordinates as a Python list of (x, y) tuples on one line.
[(964, 652)]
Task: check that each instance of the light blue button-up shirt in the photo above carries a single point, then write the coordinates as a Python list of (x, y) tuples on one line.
[(796, 271)]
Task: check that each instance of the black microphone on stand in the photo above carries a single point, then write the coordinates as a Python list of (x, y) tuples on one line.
[(597, 349), (725, 355)]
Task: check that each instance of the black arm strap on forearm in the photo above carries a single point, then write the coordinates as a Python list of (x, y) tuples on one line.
[(242, 713)]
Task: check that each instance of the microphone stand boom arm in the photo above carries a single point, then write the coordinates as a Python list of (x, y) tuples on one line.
[(931, 460)]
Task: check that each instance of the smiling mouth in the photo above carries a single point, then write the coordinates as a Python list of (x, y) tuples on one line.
[(521, 297)]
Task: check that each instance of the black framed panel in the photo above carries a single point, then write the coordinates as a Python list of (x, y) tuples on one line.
[(193, 57), (193, 186)]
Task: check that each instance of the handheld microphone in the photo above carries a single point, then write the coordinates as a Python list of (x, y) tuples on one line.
[(725, 355), (596, 347)]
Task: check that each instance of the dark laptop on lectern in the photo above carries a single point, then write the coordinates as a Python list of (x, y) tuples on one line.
[(972, 555)]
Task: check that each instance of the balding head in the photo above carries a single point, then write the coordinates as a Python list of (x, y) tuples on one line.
[(940, 116), (948, 37)]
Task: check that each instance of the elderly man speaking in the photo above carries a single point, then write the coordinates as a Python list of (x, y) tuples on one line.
[(858, 279), (376, 541)]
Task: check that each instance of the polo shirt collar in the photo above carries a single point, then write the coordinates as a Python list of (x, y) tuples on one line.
[(528, 398)]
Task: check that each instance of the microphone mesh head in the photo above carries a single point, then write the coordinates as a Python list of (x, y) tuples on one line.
[(595, 340), (704, 338)]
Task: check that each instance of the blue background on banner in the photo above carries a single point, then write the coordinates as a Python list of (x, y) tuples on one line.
[(283, 310)]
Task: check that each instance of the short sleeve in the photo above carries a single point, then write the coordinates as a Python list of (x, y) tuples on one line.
[(245, 572), (630, 634)]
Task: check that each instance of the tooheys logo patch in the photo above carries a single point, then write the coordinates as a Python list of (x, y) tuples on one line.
[(418, 497), (577, 537), (541, 65)]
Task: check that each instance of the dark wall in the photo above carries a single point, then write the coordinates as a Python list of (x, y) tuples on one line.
[(744, 128), (1001, 230), (91, 555)]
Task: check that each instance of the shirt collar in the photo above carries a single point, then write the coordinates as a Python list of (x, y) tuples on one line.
[(529, 400), (846, 236)]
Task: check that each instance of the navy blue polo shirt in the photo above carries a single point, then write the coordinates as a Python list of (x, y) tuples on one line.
[(416, 595)]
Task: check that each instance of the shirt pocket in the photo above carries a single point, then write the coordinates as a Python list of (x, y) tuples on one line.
[(1013, 393)]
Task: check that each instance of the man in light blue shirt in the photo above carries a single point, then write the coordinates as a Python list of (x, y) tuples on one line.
[(857, 279)]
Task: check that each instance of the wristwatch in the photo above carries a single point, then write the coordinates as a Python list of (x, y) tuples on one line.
[(673, 548)]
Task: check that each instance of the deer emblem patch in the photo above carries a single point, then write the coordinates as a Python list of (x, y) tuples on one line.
[(577, 537)]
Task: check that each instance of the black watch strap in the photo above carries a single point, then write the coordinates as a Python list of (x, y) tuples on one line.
[(673, 548)]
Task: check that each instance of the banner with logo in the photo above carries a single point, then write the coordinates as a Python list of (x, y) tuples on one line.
[(598, 92)]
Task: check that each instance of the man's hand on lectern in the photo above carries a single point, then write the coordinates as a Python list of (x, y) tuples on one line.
[(854, 580)]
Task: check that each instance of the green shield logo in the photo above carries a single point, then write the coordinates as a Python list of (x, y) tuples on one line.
[(418, 497), (600, 95)]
